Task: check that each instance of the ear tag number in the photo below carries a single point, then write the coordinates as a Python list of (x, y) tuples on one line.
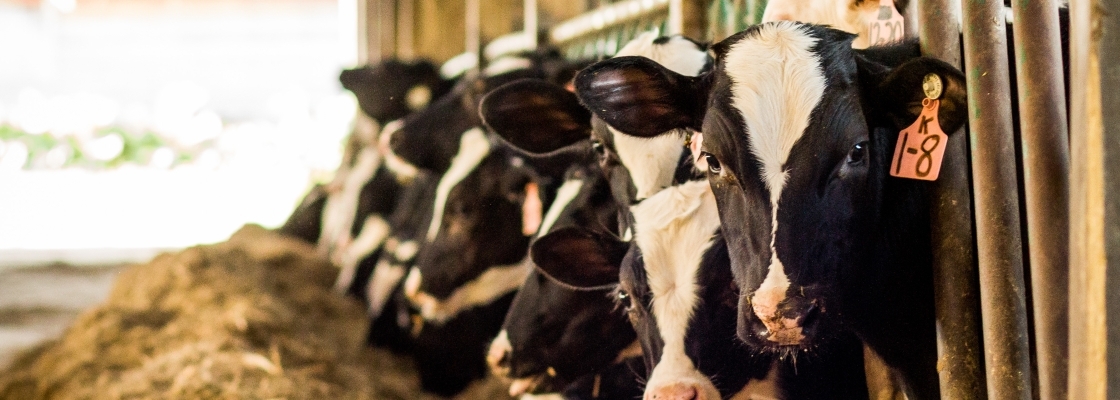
[(921, 146), (531, 210), (886, 24)]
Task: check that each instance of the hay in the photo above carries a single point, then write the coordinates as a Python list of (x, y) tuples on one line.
[(252, 317)]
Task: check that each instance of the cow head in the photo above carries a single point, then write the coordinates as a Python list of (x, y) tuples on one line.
[(394, 88), (476, 240), (853, 16), (799, 130), (675, 286), (554, 335)]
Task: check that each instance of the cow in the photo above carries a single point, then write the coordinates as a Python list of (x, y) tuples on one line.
[(799, 129), (550, 325), (555, 339), (526, 108), (488, 204), (334, 214)]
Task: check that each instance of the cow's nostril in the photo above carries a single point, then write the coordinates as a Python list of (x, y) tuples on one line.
[(811, 314)]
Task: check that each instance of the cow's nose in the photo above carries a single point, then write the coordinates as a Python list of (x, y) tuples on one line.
[(784, 321), (676, 391)]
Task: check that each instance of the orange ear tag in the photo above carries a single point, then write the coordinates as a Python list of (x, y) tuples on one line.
[(921, 146), (886, 25), (531, 210)]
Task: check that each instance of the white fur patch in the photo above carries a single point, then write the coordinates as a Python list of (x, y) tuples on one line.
[(652, 161), (496, 282), (406, 251), (674, 228), (374, 231), (341, 208), (398, 166), (567, 192), (381, 284), (776, 82), (499, 349), (474, 146), (506, 64)]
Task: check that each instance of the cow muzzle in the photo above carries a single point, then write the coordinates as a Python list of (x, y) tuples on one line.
[(782, 320)]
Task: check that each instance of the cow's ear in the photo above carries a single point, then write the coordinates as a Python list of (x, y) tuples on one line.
[(535, 116), (901, 93), (579, 258), (640, 97)]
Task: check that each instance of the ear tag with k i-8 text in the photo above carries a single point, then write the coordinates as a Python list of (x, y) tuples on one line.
[(921, 146), (886, 24)]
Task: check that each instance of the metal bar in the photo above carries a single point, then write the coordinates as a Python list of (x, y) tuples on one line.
[(406, 26), (473, 25), (605, 17), (1094, 363), (1045, 150), (956, 285), (531, 23), (1002, 287)]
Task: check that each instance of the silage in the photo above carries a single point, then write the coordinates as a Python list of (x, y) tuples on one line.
[(249, 318)]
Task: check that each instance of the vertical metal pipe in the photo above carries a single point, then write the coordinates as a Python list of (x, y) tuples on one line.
[(1087, 368), (956, 288), (1002, 287), (473, 26), (1094, 363), (1110, 166), (406, 29), (531, 22), (1045, 149)]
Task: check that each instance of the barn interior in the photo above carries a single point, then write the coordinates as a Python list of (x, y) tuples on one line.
[(157, 156)]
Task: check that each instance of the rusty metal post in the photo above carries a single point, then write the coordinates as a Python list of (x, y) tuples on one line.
[(1094, 336), (1045, 150), (956, 286), (999, 246)]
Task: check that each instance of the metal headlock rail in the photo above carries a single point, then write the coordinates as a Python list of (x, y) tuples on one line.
[(603, 31)]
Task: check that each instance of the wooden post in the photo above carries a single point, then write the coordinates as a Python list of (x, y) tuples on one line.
[(406, 29)]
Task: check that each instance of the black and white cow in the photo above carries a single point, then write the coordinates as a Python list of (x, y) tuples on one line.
[(550, 325), (385, 92), (555, 339), (487, 206), (799, 130)]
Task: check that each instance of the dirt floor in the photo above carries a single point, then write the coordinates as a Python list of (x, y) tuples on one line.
[(252, 317)]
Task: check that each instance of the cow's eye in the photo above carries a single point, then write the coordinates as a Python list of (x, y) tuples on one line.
[(858, 153), (624, 299), (713, 164), (598, 146)]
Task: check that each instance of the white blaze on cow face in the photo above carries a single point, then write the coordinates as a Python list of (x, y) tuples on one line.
[(567, 192), (474, 146), (674, 228), (381, 284), (847, 15), (339, 212), (653, 161), (374, 231), (777, 63), (401, 168), (495, 282)]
